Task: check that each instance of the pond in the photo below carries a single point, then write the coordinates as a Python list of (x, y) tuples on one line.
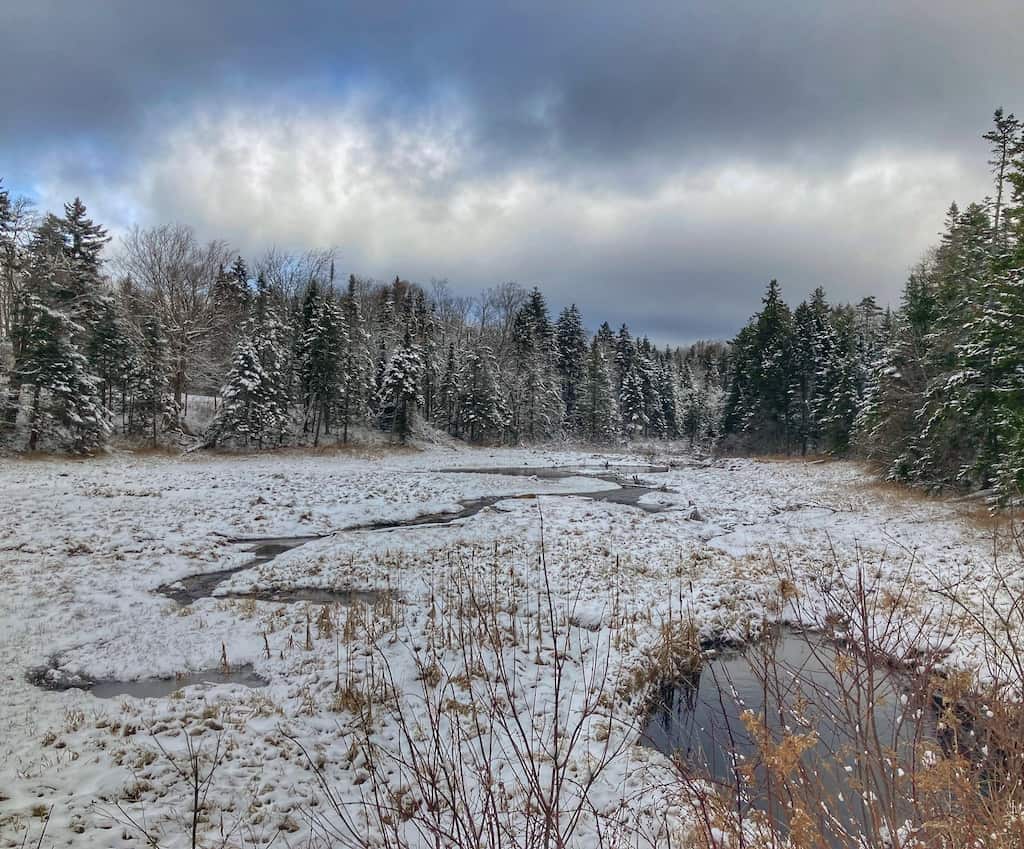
[(791, 683)]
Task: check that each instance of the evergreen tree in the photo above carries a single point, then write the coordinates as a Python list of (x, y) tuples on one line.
[(886, 426), (323, 344), (1005, 139), (809, 334), (354, 366), (596, 399), (150, 402), (78, 291), (303, 334), (65, 402), (839, 384), (946, 445), (571, 343), (482, 411), (537, 411), (668, 397), (760, 402), (400, 387), (632, 406), (231, 298), (448, 394), (625, 352), (377, 391), (255, 401), (647, 368)]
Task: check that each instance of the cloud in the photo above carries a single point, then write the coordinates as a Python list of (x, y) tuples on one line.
[(686, 259), (656, 160)]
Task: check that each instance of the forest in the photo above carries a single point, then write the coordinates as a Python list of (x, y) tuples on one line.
[(102, 341)]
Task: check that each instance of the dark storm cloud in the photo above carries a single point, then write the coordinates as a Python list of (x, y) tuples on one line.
[(589, 80), (605, 99)]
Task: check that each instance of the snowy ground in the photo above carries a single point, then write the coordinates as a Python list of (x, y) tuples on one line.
[(83, 545)]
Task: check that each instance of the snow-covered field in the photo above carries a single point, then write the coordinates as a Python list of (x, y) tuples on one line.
[(83, 546)]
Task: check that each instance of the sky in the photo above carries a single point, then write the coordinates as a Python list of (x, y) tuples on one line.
[(654, 162)]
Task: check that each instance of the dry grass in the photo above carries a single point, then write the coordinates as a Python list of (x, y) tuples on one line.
[(948, 773), (974, 511)]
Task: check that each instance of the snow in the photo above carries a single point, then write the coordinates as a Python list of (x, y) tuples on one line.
[(86, 543)]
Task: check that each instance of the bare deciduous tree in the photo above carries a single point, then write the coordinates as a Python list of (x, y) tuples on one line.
[(175, 275)]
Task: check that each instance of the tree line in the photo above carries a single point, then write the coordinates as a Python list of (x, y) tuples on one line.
[(92, 348), (932, 391)]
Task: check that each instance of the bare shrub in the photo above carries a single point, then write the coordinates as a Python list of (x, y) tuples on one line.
[(511, 726), (881, 749)]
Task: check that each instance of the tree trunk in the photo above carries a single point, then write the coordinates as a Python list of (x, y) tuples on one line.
[(33, 439), (12, 404)]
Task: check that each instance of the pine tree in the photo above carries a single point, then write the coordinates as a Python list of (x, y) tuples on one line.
[(625, 351), (400, 387), (354, 367), (255, 399), (150, 402), (84, 242), (109, 350), (839, 384), (242, 414), (448, 394), (808, 338), (596, 399), (632, 406), (571, 345), (302, 336), (760, 402), (945, 446), (537, 411), (65, 402), (665, 386), (231, 298), (886, 426), (377, 390), (647, 368), (323, 344), (481, 410), (1004, 138)]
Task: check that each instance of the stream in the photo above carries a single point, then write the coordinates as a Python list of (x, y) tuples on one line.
[(625, 492), (622, 491)]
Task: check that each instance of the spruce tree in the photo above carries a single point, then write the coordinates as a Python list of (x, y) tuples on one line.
[(1004, 138), (354, 366), (808, 336), (445, 412), (760, 402), (537, 411), (481, 410), (632, 405), (596, 399), (109, 350), (231, 298), (323, 344), (65, 402), (254, 397), (839, 384), (571, 345), (150, 402), (400, 387)]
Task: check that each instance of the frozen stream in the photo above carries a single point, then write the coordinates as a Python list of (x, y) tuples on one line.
[(622, 490)]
